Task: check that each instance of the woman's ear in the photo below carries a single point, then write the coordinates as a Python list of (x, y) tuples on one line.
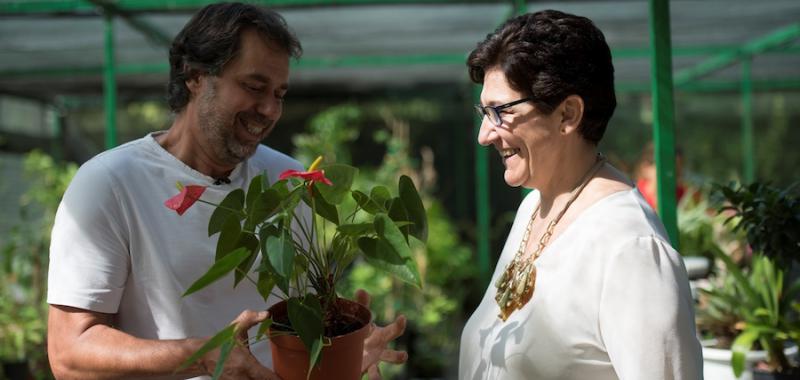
[(571, 114)]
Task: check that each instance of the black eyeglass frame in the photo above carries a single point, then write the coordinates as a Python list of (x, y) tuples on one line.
[(483, 111)]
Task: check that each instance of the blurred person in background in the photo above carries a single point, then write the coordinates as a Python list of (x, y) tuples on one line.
[(587, 285), (647, 177)]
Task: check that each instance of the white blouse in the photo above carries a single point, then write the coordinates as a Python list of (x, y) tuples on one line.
[(612, 301)]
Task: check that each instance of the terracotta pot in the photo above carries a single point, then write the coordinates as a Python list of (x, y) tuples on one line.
[(341, 359)]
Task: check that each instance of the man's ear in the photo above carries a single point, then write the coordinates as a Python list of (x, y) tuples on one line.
[(571, 114), (194, 80)]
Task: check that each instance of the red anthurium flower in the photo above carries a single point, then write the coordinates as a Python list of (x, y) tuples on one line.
[(186, 198), (312, 176)]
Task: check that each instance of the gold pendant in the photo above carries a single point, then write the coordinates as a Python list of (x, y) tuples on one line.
[(515, 288)]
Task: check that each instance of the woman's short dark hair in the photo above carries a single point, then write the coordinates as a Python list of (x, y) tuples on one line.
[(548, 56), (211, 38)]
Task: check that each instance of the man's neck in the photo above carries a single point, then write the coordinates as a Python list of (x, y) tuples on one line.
[(185, 141)]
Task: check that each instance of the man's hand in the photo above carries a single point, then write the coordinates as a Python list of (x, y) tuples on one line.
[(375, 346), (82, 344), (241, 364)]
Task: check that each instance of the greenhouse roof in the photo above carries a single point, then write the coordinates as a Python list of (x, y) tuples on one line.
[(56, 47)]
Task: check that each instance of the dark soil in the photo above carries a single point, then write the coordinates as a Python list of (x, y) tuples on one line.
[(335, 324)]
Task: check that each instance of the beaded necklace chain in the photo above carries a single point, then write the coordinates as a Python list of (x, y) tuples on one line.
[(515, 286)]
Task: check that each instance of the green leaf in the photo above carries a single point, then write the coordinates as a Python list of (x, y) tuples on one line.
[(224, 351), (280, 251), (315, 354), (321, 206), (263, 328), (414, 208), (380, 194), (233, 204), (220, 268), (265, 205), (740, 347), (266, 279), (357, 229), (390, 252), (342, 178), (305, 315), (228, 237), (398, 213), (227, 334), (387, 230), (253, 191), (366, 203), (250, 242)]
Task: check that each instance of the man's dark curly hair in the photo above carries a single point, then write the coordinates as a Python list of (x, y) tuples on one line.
[(548, 56), (211, 39)]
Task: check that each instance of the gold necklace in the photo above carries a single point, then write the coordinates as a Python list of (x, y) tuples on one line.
[(515, 286)]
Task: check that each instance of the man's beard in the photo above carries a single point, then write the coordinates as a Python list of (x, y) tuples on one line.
[(219, 128)]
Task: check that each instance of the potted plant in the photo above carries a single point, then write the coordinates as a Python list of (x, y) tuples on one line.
[(758, 306), (308, 236)]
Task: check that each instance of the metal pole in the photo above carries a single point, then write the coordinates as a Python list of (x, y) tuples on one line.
[(748, 146), (110, 83), (481, 198), (663, 117)]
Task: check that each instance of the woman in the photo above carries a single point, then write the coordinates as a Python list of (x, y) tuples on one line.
[(587, 286)]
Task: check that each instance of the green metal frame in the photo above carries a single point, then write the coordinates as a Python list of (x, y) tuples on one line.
[(663, 115), (70, 6), (110, 83)]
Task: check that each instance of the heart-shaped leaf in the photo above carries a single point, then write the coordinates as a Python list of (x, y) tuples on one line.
[(264, 205), (249, 242), (380, 195), (414, 208), (253, 191), (305, 315), (366, 203), (228, 237), (220, 268), (280, 251), (233, 204), (390, 239), (321, 206), (357, 229), (342, 178)]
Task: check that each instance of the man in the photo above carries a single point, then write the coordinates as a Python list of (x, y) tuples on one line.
[(120, 260)]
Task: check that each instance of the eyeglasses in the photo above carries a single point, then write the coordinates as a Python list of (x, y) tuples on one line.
[(493, 112)]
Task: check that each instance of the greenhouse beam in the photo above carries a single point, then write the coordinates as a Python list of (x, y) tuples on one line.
[(151, 32), (79, 6), (663, 115), (110, 83), (759, 45)]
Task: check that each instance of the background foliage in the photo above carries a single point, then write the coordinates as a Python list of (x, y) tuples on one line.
[(24, 259)]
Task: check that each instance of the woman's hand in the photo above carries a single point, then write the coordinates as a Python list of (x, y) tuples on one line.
[(375, 346)]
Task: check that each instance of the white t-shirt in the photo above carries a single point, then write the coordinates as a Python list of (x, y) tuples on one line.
[(612, 301), (117, 249)]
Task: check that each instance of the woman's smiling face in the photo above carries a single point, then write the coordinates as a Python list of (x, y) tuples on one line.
[(527, 140)]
